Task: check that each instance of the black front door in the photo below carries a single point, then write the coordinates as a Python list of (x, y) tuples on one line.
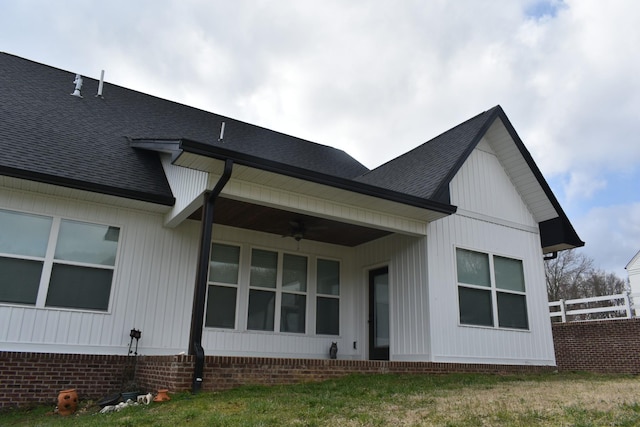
[(379, 314)]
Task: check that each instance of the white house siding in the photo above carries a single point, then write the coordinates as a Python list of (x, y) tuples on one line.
[(408, 293), (493, 219), (152, 288), (187, 185), (633, 270), (409, 299)]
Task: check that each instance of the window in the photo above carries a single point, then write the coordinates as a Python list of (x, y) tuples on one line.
[(294, 299), (328, 297), (272, 292), (262, 295), (223, 286), (491, 290), (73, 260), (275, 287)]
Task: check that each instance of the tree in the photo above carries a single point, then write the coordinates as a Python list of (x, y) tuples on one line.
[(572, 276), (566, 274)]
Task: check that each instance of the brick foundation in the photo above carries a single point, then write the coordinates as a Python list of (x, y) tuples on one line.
[(30, 378), (604, 346), (611, 346)]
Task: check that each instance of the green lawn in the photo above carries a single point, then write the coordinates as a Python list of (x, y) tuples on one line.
[(383, 400)]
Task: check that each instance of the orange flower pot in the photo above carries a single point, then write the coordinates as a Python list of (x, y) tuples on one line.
[(67, 402), (162, 396)]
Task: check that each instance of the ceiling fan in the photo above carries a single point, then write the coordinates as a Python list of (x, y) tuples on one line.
[(298, 229)]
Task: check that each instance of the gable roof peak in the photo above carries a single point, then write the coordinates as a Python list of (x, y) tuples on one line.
[(426, 170)]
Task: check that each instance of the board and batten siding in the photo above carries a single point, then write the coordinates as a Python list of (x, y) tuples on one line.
[(408, 293), (493, 219), (152, 288)]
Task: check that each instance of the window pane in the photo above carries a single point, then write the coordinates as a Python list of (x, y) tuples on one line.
[(328, 277), (223, 267), (381, 308), (475, 306), (261, 309), (473, 267), (509, 273), (221, 307), (512, 311), (79, 287), (19, 280), (264, 268), (24, 234), (90, 243), (292, 315), (294, 273), (328, 316)]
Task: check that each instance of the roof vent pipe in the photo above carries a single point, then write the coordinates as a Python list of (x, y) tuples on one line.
[(78, 82), (220, 139), (100, 85)]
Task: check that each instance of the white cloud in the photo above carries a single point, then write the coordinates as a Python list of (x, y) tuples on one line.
[(375, 78), (612, 235), (582, 186)]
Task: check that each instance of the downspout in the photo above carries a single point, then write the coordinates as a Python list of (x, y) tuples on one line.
[(200, 292)]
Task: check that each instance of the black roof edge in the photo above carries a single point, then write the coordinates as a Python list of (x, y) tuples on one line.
[(87, 186), (566, 229), (560, 226), (442, 192), (557, 231), (222, 153)]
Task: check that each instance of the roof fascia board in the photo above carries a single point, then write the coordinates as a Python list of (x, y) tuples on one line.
[(568, 231), (317, 177), (86, 186)]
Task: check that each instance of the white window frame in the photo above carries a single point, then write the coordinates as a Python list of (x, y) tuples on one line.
[(243, 291), (318, 294), (235, 286), (278, 290), (49, 260), (492, 289)]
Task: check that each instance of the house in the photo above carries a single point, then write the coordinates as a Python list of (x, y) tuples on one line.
[(633, 270), (121, 211)]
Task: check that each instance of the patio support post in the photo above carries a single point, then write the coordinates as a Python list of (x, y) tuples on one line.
[(200, 292)]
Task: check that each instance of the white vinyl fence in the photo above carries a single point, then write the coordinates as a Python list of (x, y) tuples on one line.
[(595, 308)]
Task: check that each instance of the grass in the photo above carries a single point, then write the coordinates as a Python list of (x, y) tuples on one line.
[(382, 400)]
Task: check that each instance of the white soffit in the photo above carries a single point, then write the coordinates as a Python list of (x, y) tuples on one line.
[(519, 172)]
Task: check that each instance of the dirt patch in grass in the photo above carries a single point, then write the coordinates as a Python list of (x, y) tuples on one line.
[(518, 403)]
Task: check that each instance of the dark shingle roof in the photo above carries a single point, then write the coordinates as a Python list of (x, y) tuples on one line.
[(49, 136), (427, 170)]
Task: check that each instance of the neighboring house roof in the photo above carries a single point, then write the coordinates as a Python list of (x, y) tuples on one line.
[(636, 258), (93, 143)]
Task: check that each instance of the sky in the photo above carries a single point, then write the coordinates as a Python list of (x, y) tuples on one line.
[(377, 78)]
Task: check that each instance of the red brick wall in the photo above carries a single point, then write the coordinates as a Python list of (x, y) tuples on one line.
[(604, 346), (26, 378)]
